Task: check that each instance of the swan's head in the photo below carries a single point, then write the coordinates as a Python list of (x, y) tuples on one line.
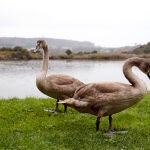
[(141, 63), (145, 67), (41, 44), (74, 103), (68, 102)]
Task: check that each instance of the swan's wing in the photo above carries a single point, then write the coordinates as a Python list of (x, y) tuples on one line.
[(99, 91), (62, 85), (63, 80)]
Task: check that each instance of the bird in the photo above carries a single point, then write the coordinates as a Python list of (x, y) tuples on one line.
[(57, 86), (107, 98)]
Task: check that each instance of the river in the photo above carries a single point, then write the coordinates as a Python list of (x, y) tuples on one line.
[(17, 78)]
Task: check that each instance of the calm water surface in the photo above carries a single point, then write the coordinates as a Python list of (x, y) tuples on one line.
[(17, 78)]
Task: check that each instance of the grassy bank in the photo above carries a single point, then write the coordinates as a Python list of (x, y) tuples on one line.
[(25, 125), (99, 56)]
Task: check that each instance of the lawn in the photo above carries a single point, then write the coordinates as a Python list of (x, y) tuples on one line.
[(25, 124)]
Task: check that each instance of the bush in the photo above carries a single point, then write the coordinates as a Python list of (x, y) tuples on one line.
[(20, 53), (94, 52), (68, 52)]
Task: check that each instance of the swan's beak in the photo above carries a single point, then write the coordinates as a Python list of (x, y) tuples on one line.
[(68, 101), (61, 102), (37, 48)]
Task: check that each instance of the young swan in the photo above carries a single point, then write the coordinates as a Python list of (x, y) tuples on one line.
[(58, 86), (107, 98)]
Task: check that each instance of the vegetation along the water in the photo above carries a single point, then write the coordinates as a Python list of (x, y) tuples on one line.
[(20, 53)]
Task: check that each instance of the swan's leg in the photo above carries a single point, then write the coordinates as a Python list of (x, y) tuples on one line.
[(97, 123), (110, 124), (65, 108), (56, 108), (111, 131)]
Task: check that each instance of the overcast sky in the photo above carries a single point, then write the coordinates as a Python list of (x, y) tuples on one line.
[(109, 23)]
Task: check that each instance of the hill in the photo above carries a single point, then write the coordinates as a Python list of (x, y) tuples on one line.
[(142, 49), (125, 49), (57, 46)]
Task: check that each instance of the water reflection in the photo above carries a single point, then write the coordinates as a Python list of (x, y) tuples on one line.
[(17, 78)]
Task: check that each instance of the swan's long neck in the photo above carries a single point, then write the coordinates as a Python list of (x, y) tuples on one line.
[(43, 72), (131, 77)]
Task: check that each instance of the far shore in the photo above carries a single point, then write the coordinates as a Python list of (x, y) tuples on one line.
[(9, 56)]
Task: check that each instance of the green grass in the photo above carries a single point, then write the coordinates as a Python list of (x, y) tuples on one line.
[(25, 125)]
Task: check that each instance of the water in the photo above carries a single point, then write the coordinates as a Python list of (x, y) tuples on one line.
[(17, 78)]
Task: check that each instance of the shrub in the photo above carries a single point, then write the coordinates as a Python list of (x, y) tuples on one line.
[(94, 52), (68, 52), (20, 53)]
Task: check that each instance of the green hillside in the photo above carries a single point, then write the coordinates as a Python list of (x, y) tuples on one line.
[(143, 49)]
